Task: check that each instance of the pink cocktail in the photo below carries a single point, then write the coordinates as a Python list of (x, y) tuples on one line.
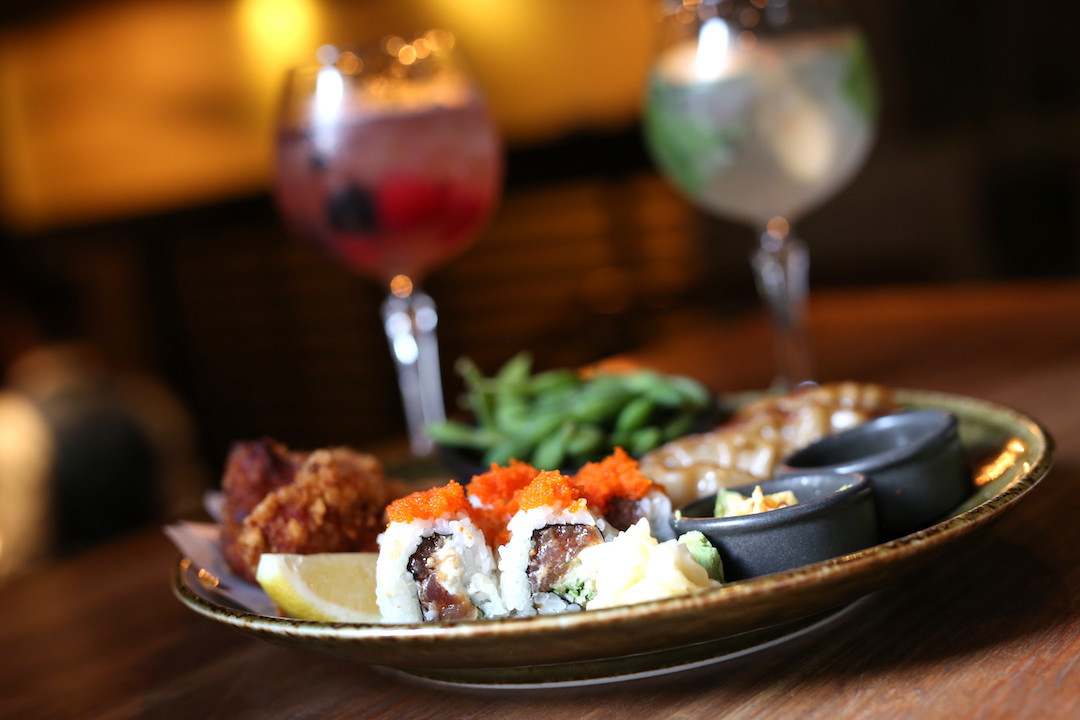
[(387, 159), (399, 194)]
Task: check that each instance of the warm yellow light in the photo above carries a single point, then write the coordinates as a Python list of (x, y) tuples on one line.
[(208, 579), (422, 48), (401, 286), (1002, 463), (440, 40), (274, 35), (407, 55), (277, 34), (778, 227), (278, 25), (550, 67), (350, 63), (393, 44)]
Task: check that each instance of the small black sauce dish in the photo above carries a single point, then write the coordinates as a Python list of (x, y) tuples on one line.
[(834, 516), (914, 460)]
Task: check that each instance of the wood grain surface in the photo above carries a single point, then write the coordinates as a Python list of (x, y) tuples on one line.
[(991, 630)]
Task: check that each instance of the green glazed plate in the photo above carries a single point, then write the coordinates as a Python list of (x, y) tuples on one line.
[(1009, 452)]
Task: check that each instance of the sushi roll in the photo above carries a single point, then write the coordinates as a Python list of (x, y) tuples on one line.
[(616, 488), (434, 562), (551, 526)]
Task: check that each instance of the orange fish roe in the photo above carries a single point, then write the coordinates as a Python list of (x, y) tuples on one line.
[(495, 493), (616, 476), (493, 525), (495, 488), (549, 488), (429, 504)]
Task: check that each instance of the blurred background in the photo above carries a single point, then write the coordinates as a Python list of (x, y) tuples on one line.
[(146, 280)]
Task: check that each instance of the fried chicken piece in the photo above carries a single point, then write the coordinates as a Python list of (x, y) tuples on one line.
[(329, 500), (253, 470)]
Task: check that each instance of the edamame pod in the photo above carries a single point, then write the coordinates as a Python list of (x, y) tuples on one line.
[(560, 417), (643, 440), (634, 414), (585, 442), (551, 451)]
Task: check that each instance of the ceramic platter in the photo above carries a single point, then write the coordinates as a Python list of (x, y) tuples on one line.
[(1009, 454)]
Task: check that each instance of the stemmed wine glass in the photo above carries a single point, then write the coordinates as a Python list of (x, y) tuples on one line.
[(387, 159), (759, 110)]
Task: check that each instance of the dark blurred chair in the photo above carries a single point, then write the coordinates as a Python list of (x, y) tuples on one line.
[(87, 450)]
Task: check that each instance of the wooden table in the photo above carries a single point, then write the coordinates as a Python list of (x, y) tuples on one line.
[(989, 631)]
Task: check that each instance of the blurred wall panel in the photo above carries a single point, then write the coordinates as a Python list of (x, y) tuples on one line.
[(122, 108), (135, 144)]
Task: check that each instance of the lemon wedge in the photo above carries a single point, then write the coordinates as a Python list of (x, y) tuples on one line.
[(332, 587)]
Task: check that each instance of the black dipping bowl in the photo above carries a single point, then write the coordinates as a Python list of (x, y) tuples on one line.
[(914, 461), (834, 516)]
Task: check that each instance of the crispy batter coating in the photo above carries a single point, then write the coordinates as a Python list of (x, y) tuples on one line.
[(253, 470), (329, 500)]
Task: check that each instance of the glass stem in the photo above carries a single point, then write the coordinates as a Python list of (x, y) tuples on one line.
[(781, 268), (410, 323)]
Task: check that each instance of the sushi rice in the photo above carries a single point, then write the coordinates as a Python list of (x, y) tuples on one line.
[(517, 594), (466, 567)]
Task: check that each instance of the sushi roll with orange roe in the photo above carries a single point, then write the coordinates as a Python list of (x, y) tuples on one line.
[(616, 489), (551, 525), (493, 497), (434, 562)]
